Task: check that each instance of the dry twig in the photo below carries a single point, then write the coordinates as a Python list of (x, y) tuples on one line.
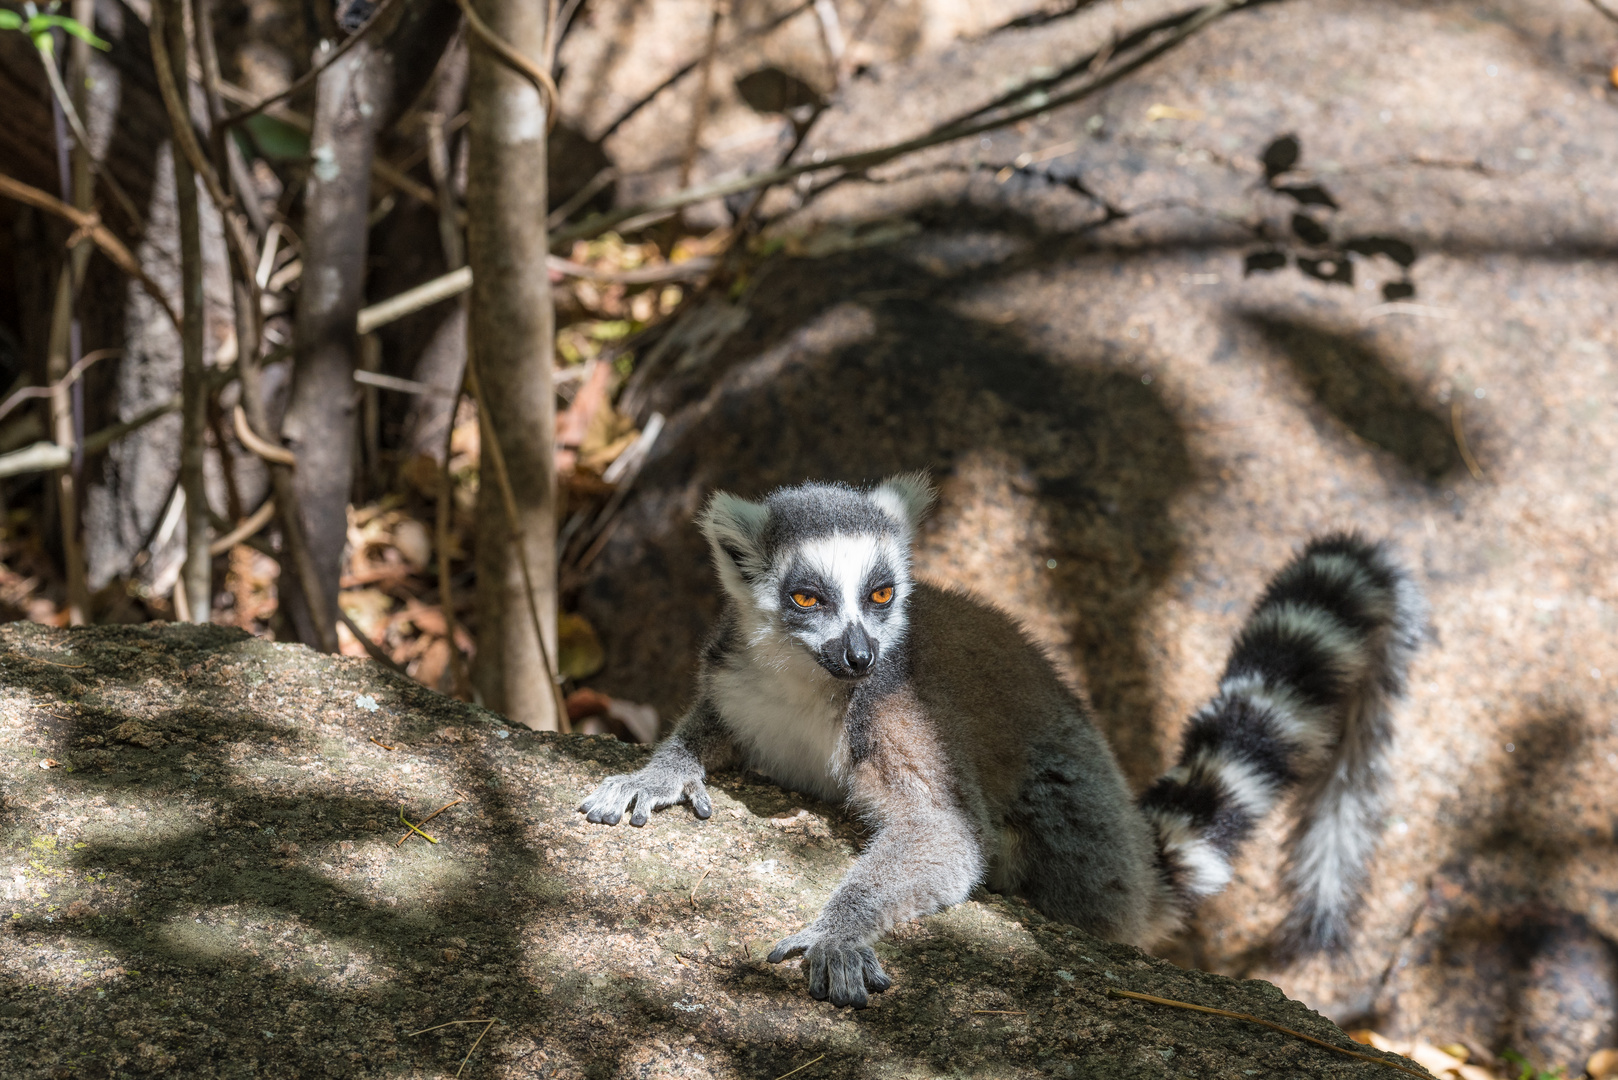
[(699, 106), (249, 526), (698, 885), (89, 226), (384, 746), (63, 383), (516, 61), (313, 73), (1460, 440), (1262, 1023), (426, 819), (487, 1024), (862, 160), (999, 1012), (800, 1068), (276, 455), (406, 822), (185, 138), (65, 101), (372, 649), (1605, 10)]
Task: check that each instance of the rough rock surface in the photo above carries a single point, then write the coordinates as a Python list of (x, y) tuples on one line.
[(208, 884), (1133, 422)]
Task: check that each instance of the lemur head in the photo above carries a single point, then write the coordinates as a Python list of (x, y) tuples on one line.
[(825, 564)]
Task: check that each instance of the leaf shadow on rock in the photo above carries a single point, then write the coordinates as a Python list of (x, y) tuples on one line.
[(1493, 958), (867, 369), (192, 913), (1362, 390)]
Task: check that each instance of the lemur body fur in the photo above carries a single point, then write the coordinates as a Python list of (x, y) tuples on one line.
[(936, 719)]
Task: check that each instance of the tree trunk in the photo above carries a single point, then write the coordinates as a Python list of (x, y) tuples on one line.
[(356, 97), (196, 579), (319, 423), (511, 327)]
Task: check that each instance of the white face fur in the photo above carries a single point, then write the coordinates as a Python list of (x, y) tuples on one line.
[(823, 566)]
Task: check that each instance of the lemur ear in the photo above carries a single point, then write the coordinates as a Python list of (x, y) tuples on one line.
[(735, 528), (906, 497)]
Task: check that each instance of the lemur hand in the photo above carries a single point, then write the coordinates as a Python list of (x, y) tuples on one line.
[(839, 968), (658, 785)]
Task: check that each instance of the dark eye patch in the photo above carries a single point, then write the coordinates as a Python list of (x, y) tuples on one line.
[(800, 579), (881, 576)]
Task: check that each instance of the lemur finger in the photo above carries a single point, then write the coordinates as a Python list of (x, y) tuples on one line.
[(876, 980), (701, 805), (818, 976), (586, 803), (787, 948), (610, 803), (644, 805), (846, 969)]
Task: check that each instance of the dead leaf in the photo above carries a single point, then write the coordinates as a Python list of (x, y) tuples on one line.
[(1433, 1059), (49, 763), (414, 543), (580, 653), (368, 608), (1160, 111), (585, 702), (1602, 1064)]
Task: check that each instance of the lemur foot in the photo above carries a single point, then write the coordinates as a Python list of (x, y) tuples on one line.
[(839, 969), (652, 788)]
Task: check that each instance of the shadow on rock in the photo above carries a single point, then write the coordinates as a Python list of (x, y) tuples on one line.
[(1362, 391), (1493, 959)]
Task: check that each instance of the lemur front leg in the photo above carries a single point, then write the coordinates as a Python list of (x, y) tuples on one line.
[(925, 856), (676, 773)]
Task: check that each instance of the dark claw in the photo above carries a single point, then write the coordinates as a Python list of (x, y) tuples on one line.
[(639, 819)]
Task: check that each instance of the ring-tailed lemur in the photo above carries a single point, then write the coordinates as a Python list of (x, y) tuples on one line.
[(935, 718)]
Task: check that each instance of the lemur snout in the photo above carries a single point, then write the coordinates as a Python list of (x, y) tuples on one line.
[(852, 654)]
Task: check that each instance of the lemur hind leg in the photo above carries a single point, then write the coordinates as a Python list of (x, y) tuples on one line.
[(1080, 852)]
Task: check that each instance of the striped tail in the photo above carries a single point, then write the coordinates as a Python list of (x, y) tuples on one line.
[(1304, 704)]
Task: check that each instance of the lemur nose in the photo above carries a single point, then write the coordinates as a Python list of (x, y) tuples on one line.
[(859, 651)]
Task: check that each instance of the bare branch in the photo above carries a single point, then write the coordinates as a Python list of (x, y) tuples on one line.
[(1605, 10), (89, 225), (514, 60), (314, 72), (869, 159), (65, 100)]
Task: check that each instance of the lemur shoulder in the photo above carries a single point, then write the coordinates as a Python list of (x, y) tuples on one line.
[(934, 717)]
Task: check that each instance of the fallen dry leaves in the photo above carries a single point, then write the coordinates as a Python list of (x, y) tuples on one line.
[(1452, 1061)]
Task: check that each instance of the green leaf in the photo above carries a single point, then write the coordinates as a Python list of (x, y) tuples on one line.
[(10, 20), (275, 140), (41, 23)]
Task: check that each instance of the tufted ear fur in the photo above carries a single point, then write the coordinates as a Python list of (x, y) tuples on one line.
[(906, 498), (735, 530)]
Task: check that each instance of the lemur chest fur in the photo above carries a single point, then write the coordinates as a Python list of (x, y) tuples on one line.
[(787, 716)]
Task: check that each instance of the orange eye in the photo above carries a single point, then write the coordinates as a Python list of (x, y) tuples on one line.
[(804, 600), (882, 596)]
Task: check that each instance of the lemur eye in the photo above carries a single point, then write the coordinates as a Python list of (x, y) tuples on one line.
[(805, 600), (882, 595)]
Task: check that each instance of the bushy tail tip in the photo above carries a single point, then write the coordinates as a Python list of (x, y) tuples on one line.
[(1304, 705)]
